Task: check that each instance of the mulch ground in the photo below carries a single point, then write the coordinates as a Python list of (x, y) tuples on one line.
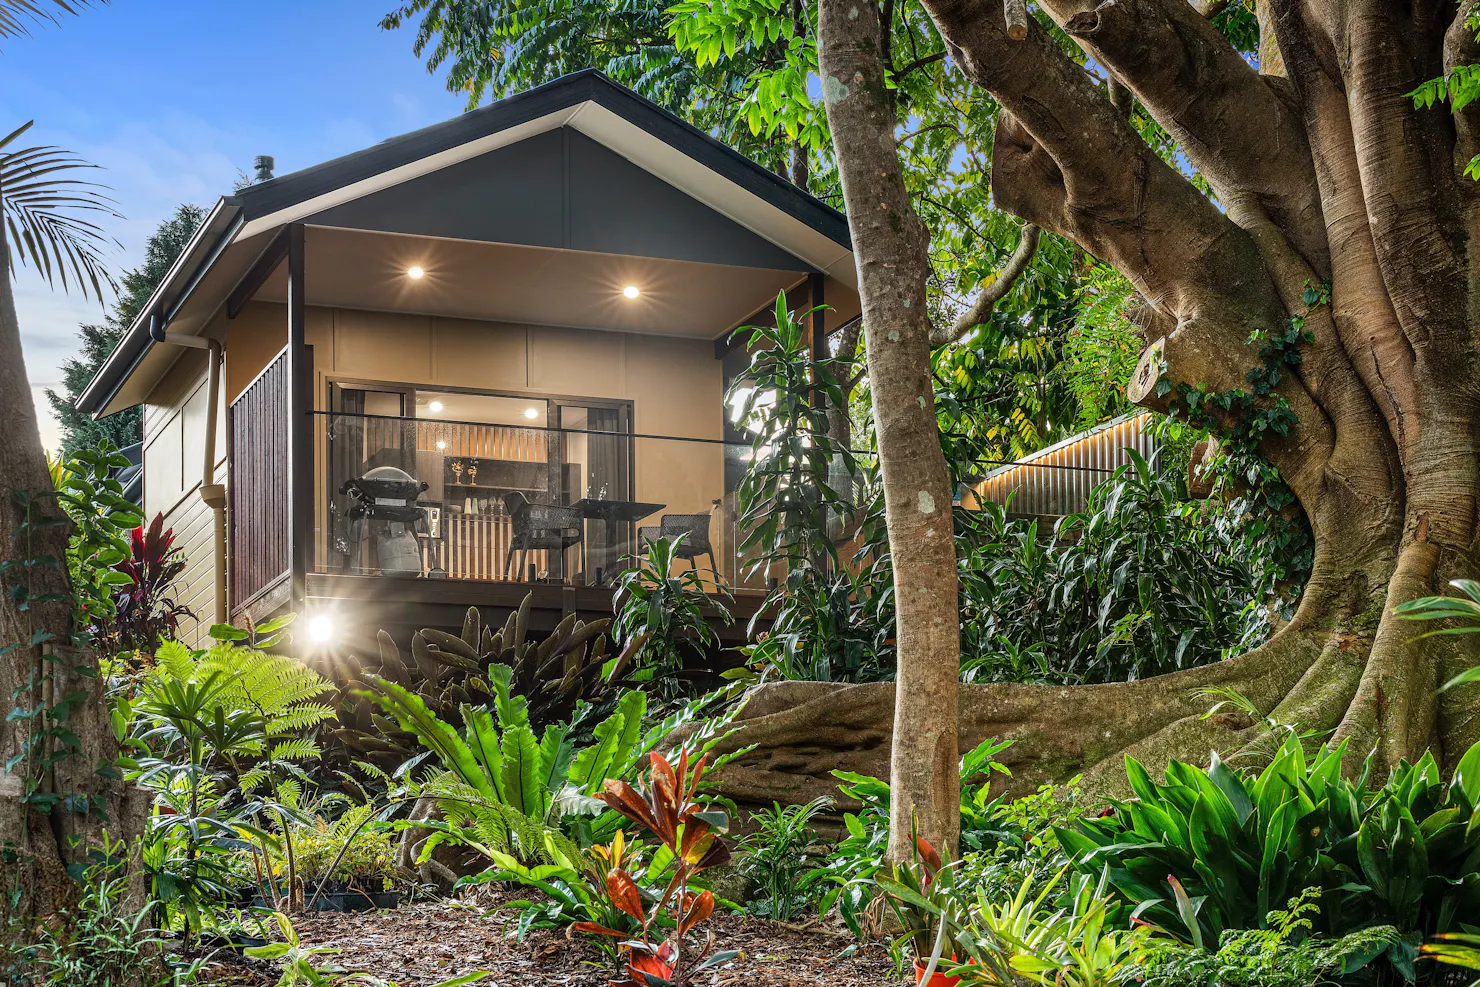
[(420, 944)]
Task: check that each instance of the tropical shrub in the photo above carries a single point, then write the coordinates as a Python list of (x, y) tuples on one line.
[(107, 942), (803, 495), (1283, 954), (690, 833), (1144, 581), (567, 672), (1015, 940), (216, 736), (143, 612), (1213, 850), (661, 613), (102, 519), (858, 858), (777, 858), (505, 792)]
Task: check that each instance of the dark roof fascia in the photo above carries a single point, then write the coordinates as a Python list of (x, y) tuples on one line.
[(219, 227), (591, 85)]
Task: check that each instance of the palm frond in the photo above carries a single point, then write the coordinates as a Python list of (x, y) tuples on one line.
[(17, 16), (48, 218)]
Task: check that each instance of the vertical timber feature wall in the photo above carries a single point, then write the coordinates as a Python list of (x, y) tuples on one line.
[(258, 493), (1058, 480), (174, 446)]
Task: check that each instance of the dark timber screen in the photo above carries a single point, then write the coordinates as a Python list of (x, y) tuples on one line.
[(260, 560)]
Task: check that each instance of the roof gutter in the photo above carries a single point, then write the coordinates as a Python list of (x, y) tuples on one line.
[(214, 236)]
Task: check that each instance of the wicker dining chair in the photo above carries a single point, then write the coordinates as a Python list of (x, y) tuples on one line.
[(538, 527)]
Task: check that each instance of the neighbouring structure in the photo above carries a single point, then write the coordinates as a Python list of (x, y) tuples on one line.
[(467, 363)]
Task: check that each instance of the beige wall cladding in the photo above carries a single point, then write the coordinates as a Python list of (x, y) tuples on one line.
[(174, 447), (488, 355)]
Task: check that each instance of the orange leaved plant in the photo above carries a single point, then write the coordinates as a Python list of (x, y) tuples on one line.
[(672, 813)]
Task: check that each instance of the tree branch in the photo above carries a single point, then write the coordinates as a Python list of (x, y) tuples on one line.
[(981, 310), (1235, 127), (918, 63)]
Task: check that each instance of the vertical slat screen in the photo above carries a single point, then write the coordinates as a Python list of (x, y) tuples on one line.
[(1058, 480), (259, 484)]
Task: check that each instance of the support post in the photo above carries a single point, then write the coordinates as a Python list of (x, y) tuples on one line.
[(300, 425), (819, 323)]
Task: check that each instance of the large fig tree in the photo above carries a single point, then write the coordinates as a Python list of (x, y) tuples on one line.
[(1312, 295)]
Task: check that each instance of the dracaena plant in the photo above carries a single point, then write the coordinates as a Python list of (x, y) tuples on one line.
[(143, 612), (672, 811)]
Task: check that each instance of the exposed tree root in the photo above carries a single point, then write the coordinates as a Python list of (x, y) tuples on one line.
[(1309, 674)]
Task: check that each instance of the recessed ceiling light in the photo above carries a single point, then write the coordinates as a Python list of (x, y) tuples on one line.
[(631, 291), (415, 273), (531, 412), (434, 407), (441, 444)]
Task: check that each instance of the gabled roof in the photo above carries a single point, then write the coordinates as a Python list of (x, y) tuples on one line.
[(637, 129), (513, 118)]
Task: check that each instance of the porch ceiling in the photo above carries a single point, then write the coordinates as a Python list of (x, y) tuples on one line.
[(534, 285)]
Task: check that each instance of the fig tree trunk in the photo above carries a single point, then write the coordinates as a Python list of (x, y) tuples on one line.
[(1322, 311), (54, 810)]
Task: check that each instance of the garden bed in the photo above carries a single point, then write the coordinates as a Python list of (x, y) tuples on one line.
[(424, 943)]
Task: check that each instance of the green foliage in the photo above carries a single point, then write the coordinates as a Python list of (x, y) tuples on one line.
[(502, 790), (554, 677), (1015, 939), (1459, 87), (1464, 609), (778, 860), (1283, 954), (80, 432), (216, 736), (1461, 949), (661, 611), (1403, 856), (108, 943), (101, 519), (802, 493), (1101, 349), (49, 218), (1143, 582), (855, 862)]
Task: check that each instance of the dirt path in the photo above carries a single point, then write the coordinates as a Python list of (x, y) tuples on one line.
[(420, 944)]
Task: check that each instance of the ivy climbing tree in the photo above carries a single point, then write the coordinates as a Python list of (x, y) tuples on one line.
[(1308, 285)]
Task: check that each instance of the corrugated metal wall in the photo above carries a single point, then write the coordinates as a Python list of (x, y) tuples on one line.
[(1058, 480)]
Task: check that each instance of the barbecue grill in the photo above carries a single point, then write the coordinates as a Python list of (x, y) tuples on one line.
[(383, 505)]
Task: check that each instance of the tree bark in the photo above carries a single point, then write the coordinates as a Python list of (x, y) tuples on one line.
[(890, 246), (41, 847), (1327, 179)]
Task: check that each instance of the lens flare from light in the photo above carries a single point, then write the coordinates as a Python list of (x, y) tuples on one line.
[(531, 413), (631, 291), (415, 273), (320, 629), (434, 407)]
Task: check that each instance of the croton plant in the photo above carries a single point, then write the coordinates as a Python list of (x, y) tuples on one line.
[(671, 811)]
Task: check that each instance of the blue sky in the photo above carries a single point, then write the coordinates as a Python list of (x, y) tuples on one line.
[(172, 97)]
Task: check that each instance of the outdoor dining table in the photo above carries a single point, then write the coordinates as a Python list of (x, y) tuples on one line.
[(611, 514)]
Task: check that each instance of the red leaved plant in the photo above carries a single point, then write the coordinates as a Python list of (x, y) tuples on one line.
[(672, 813)]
